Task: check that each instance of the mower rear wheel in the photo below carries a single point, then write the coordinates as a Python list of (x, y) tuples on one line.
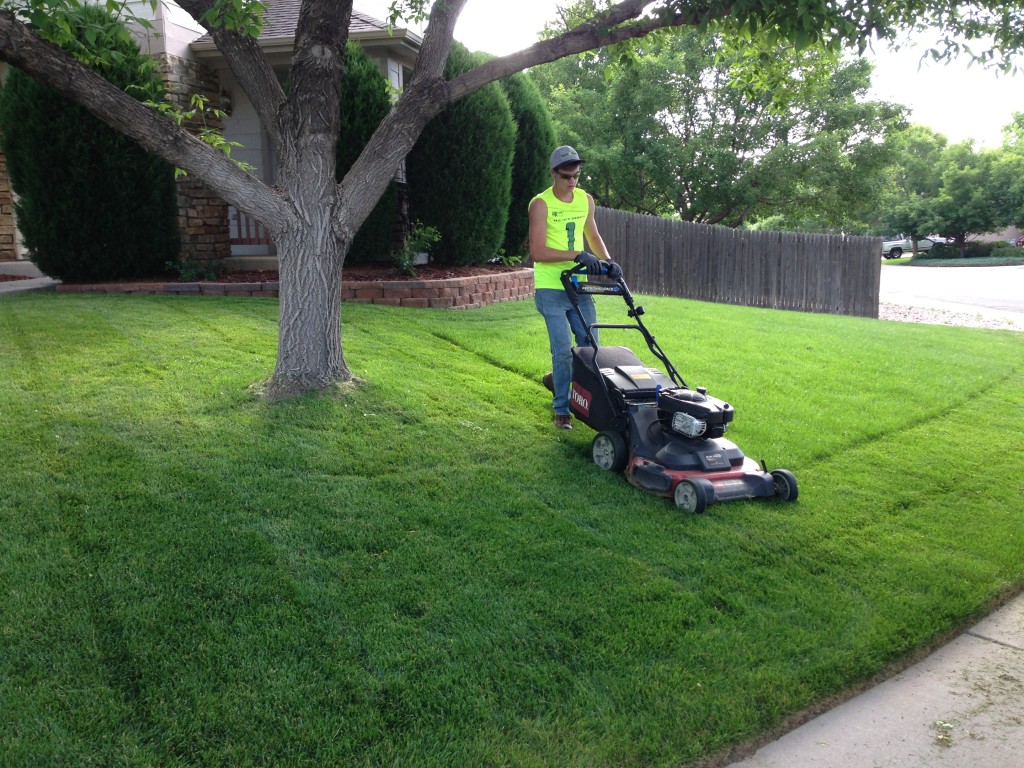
[(785, 484), (609, 451), (692, 496)]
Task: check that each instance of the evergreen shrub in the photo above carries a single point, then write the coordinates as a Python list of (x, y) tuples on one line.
[(365, 101), (460, 171), (535, 138), (92, 204)]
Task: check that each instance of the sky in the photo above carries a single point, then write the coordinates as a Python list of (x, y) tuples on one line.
[(956, 100)]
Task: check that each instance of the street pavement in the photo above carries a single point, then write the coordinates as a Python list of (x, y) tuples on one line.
[(989, 290)]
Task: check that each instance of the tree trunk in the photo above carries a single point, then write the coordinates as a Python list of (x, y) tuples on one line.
[(309, 352)]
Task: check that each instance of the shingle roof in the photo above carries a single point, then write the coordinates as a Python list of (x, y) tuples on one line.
[(282, 17)]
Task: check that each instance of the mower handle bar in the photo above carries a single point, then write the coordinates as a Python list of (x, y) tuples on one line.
[(618, 288)]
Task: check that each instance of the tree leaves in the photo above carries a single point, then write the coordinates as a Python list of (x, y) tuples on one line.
[(244, 16), (95, 42)]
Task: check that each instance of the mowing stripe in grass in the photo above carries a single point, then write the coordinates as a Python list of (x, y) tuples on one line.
[(424, 572)]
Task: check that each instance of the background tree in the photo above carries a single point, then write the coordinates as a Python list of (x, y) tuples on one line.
[(911, 184), (535, 138), (949, 190), (682, 131), (92, 204), (964, 204), (311, 217), (460, 171), (1007, 174)]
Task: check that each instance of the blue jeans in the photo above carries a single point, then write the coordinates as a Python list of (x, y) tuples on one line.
[(563, 325)]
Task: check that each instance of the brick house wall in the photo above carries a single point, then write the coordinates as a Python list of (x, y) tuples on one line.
[(202, 215), (8, 230)]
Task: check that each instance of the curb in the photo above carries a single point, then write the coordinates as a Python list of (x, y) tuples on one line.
[(25, 286)]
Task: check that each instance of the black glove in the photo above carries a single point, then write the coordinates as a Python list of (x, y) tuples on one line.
[(590, 261), (614, 270)]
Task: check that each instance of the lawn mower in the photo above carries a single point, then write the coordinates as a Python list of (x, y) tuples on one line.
[(666, 437)]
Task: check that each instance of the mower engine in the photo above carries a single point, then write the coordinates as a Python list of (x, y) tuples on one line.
[(692, 413)]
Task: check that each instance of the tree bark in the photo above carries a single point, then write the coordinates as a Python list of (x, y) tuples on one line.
[(309, 352)]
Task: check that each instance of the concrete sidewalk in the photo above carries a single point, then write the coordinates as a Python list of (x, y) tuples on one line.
[(961, 707), (37, 280)]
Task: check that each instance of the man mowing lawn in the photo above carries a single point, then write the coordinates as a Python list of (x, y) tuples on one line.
[(559, 218)]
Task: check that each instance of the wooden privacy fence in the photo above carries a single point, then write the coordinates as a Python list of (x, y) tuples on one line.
[(834, 274)]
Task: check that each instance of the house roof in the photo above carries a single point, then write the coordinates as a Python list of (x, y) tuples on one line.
[(282, 17)]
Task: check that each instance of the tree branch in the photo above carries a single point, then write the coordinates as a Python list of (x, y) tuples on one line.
[(605, 29), (248, 64), (317, 64), (437, 41), (155, 133), (423, 98)]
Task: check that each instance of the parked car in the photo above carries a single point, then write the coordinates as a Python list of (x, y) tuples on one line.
[(893, 249)]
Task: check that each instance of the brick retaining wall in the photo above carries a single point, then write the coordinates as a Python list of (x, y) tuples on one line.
[(453, 293)]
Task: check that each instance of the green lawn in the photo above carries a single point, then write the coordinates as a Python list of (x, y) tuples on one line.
[(1004, 258), (425, 573)]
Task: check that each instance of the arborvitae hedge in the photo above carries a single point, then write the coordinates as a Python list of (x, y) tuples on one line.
[(92, 204), (365, 101), (535, 138), (460, 171)]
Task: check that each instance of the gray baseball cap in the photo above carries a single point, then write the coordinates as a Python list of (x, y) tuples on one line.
[(564, 156)]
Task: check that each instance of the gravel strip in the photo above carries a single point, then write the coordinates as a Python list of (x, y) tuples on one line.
[(905, 314)]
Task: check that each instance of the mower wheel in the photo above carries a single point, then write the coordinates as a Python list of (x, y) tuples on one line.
[(693, 495), (785, 484), (609, 451)]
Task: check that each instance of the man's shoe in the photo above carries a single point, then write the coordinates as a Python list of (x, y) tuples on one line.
[(549, 382), (563, 421)]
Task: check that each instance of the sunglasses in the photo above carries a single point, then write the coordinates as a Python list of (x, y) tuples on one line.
[(568, 176)]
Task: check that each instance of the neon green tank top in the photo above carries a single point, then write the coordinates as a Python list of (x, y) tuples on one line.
[(565, 232)]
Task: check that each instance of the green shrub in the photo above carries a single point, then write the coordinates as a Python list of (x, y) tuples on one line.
[(535, 138), (941, 251), (977, 249), (92, 205), (365, 100), (460, 171), (973, 250), (420, 240)]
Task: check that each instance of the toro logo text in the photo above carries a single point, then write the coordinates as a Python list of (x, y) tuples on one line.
[(579, 399)]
